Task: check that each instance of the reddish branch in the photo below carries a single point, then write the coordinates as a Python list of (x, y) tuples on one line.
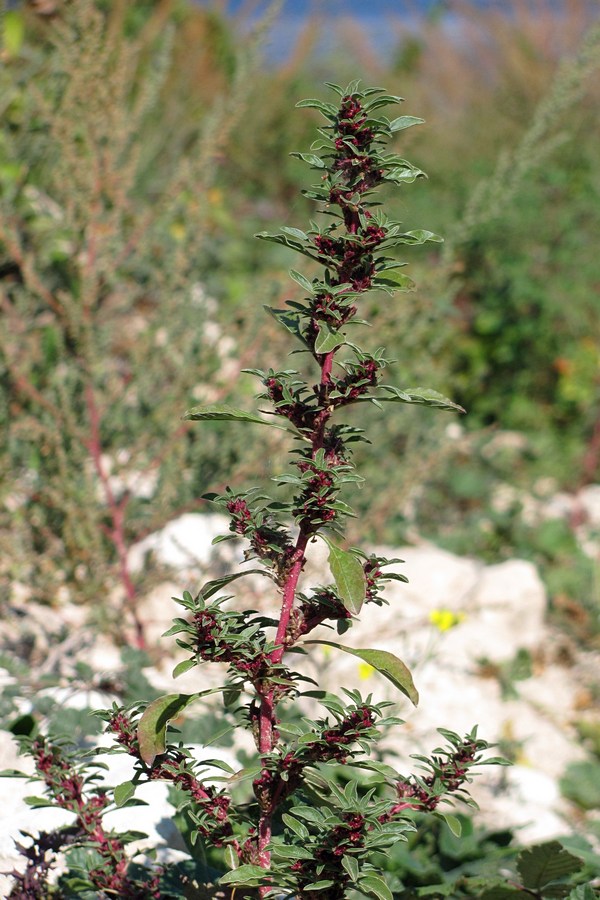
[(116, 510)]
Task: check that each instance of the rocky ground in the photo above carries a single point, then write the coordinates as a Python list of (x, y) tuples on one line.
[(475, 637)]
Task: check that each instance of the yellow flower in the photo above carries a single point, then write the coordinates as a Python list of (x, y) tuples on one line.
[(445, 619), (365, 671), (177, 230)]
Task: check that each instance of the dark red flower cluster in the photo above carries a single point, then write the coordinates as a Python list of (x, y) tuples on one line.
[(67, 788), (212, 645), (312, 611), (350, 125), (274, 784), (63, 781), (241, 517), (330, 309), (212, 805), (268, 543), (373, 236), (414, 796), (372, 575), (297, 412), (352, 261), (341, 839), (347, 836), (449, 774), (313, 505), (350, 728), (124, 730), (358, 381), (353, 159)]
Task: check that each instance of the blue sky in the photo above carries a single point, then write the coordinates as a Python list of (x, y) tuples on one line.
[(374, 16)]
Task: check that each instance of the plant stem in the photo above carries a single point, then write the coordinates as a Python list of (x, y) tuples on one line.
[(267, 706), (116, 511)]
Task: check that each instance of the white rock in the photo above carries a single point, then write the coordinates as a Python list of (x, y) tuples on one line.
[(504, 498), (70, 697), (523, 798), (589, 497), (512, 441), (157, 610), (505, 612), (437, 580), (558, 506), (185, 542), (102, 655)]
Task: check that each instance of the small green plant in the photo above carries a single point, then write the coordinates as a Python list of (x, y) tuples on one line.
[(287, 823), (434, 862), (102, 259)]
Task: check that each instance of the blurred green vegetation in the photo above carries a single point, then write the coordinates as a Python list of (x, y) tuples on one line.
[(505, 320)]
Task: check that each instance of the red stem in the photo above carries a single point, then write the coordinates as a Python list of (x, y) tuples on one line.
[(267, 706), (116, 511)]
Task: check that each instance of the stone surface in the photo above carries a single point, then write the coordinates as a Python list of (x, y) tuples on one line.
[(589, 497), (185, 543), (461, 669)]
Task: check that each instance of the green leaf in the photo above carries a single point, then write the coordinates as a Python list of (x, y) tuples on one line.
[(222, 412), (184, 666), (244, 774), (386, 663), (299, 246), (327, 109), (583, 892), (395, 280), (328, 339), (500, 892), (124, 792), (294, 232), (292, 852), (349, 577), (246, 874), (39, 802), (420, 236), (385, 100), (152, 727), (309, 813), (405, 122), (211, 587), (296, 826), (350, 864), (546, 862), (404, 174), (437, 890), (495, 761), (315, 161), (302, 281), (289, 320), (581, 783), (453, 823), (424, 396), (231, 857), (375, 887)]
